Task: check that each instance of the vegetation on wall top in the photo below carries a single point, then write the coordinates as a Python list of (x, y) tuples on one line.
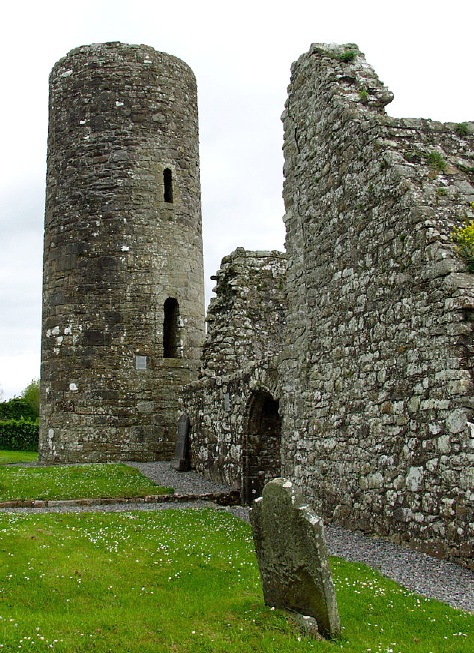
[(464, 239)]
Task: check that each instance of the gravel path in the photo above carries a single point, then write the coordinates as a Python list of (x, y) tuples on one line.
[(419, 572), (182, 482)]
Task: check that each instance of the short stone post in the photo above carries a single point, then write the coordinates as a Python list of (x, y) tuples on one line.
[(292, 558)]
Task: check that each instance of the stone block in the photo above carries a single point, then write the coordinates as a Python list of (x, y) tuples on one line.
[(292, 556)]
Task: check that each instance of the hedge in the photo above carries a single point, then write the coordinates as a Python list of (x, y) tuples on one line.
[(19, 435)]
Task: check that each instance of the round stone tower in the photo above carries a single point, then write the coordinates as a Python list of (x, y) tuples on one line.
[(123, 297)]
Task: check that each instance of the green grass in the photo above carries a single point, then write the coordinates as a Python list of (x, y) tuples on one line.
[(8, 457), (75, 482), (185, 581)]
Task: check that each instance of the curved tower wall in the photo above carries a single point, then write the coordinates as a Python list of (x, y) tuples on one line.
[(123, 298)]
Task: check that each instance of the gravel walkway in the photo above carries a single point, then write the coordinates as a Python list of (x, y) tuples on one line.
[(419, 572)]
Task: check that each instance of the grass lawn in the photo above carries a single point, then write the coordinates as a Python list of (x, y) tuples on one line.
[(186, 581), (7, 457), (75, 482)]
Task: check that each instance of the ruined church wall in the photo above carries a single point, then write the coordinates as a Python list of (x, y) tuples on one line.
[(218, 409), (245, 331), (246, 316), (377, 368)]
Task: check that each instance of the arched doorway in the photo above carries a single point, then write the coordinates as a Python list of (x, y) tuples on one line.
[(262, 440)]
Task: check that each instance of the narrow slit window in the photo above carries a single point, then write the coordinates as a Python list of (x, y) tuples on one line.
[(171, 341), (168, 185)]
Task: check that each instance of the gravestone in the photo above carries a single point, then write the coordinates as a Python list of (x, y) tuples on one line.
[(292, 557), (181, 460)]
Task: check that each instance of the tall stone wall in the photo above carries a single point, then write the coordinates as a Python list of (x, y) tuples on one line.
[(123, 303), (233, 409), (377, 371)]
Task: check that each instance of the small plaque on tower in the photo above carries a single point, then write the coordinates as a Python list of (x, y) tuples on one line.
[(140, 362)]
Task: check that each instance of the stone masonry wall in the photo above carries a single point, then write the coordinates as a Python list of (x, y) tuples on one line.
[(218, 408), (123, 300), (377, 371), (245, 319), (245, 331)]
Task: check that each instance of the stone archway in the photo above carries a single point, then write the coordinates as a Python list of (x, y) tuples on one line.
[(261, 444)]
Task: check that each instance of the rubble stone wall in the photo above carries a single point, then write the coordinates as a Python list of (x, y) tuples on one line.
[(245, 319), (377, 370), (245, 330)]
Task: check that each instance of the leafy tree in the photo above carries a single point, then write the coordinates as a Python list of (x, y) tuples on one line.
[(31, 395), (17, 408)]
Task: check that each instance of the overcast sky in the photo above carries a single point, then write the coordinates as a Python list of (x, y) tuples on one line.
[(241, 53)]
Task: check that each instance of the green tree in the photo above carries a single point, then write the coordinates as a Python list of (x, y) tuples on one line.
[(17, 408), (31, 395)]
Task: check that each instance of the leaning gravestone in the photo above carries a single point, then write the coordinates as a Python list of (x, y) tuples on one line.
[(292, 557), (181, 461)]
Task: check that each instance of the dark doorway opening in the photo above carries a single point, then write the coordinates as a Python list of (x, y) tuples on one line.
[(171, 340), (262, 442)]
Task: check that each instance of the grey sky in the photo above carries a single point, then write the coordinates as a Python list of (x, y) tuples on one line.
[(241, 54)]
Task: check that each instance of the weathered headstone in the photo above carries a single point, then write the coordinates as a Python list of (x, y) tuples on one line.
[(292, 556), (181, 461)]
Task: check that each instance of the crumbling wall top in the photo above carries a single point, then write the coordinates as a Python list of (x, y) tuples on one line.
[(246, 317)]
